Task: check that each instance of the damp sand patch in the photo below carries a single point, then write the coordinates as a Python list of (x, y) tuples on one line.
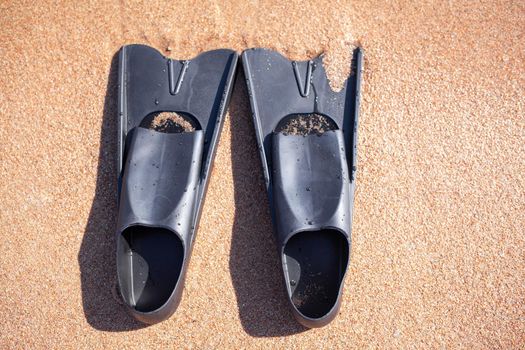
[(306, 124), (169, 122)]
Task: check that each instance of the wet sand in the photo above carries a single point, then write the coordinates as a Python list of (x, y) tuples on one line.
[(438, 246)]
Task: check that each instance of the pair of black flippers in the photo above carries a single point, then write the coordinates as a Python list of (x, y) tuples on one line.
[(164, 168)]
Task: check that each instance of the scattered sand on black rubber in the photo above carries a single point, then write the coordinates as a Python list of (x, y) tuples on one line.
[(169, 122), (306, 124), (313, 299)]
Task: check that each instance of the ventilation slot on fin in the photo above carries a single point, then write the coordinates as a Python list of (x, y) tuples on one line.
[(304, 90), (175, 84)]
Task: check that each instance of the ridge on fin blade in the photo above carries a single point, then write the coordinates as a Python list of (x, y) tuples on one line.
[(170, 117), (307, 137), (304, 88), (175, 84)]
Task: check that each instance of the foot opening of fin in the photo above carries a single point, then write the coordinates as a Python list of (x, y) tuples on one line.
[(315, 264), (149, 266)]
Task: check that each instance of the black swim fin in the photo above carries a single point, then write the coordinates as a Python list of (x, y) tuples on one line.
[(307, 136), (170, 117)]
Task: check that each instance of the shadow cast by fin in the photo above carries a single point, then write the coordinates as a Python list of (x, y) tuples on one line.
[(254, 262), (101, 301)]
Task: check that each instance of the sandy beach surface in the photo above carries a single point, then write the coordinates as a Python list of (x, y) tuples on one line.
[(438, 255)]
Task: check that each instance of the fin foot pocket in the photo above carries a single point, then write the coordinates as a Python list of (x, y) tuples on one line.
[(156, 218), (312, 216), (150, 267), (315, 265)]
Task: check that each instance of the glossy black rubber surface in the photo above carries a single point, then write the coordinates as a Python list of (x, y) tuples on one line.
[(163, 176), (310, 178)]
